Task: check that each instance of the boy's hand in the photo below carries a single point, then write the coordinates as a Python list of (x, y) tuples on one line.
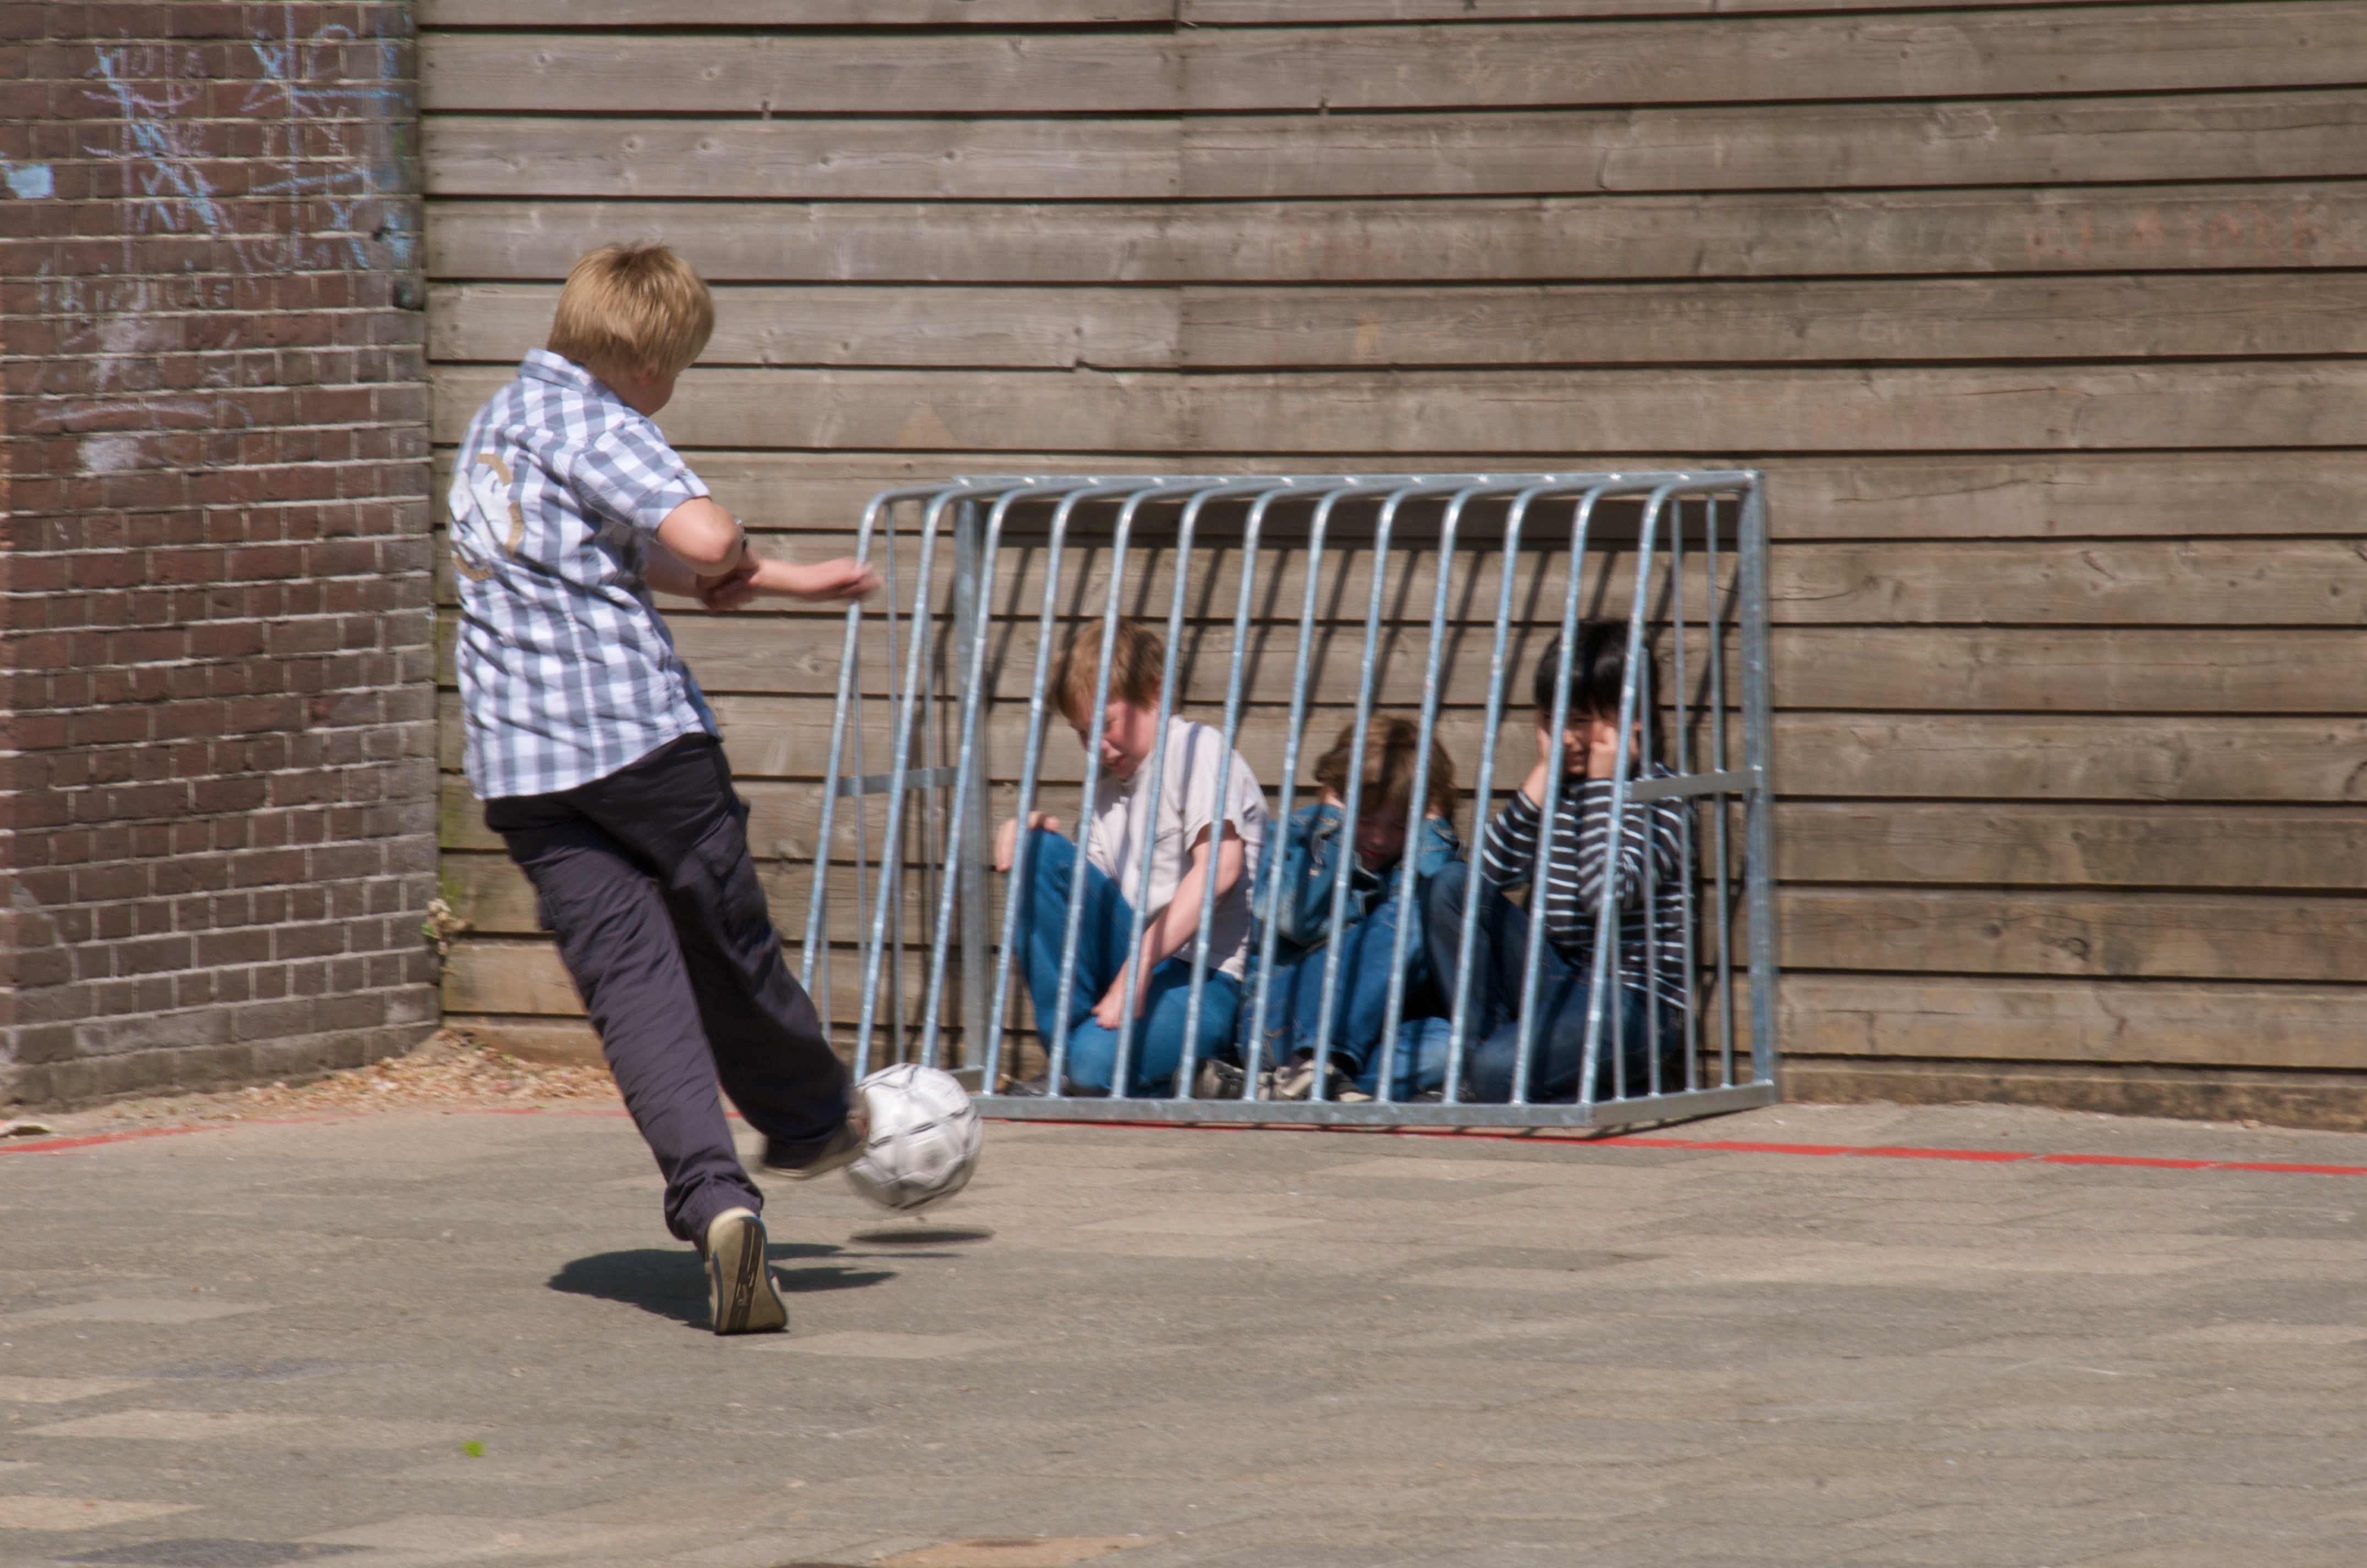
[(1603, 747), (727, 590), (1006, 838), (1110, 1011)]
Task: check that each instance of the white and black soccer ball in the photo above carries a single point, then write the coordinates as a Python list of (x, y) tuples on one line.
[(923, 1141)]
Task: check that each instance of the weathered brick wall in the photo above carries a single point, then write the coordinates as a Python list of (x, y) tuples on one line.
[(218, 800)]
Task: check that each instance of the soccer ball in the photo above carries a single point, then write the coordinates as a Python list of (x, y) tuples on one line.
[(923, 1142)]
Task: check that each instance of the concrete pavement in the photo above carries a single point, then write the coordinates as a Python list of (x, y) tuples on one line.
[(425, 1337)]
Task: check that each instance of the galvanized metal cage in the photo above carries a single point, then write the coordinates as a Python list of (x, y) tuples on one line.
[(1680, 557)]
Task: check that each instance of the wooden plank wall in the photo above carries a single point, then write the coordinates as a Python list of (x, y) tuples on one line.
[(2046, 319)]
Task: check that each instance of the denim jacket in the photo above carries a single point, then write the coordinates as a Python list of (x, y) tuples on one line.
[(1311, 855)]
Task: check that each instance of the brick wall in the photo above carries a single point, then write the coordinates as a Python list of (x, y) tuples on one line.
[(217, 815)]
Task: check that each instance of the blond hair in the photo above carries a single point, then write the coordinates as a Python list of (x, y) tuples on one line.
[(1390, 748), (633, 309), (1137, 661)]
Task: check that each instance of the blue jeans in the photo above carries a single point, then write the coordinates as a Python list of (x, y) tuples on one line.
[(1293, 1010), (1558, 1051), (1102, 938)]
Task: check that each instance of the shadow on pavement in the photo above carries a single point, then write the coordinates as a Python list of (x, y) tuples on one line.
[(669, 1282)]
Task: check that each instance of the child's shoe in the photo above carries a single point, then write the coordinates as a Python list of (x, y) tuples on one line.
[(845, 1147), (740, 1295)]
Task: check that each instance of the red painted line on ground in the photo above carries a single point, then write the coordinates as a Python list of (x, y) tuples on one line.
[(2125, 1159), (64, 1145), (1993, 1157)]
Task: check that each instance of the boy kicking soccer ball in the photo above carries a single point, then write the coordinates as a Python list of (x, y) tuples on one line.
[(597, 760)]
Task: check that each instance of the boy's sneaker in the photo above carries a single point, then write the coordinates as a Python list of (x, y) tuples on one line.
[(1295, 1079), (845, 1145), (1219, 1080), (740, 1295)]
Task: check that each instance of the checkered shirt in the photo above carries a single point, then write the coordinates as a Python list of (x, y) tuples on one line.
[(567, 671)]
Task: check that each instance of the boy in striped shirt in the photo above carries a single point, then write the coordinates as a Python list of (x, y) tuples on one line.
[(1650, 983)]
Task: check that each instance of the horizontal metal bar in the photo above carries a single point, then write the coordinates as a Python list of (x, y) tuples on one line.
[(1237, 1112), (885, 784), (1728, 782)]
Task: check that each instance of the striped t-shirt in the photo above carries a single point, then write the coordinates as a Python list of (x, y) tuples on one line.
[(1651, 940)]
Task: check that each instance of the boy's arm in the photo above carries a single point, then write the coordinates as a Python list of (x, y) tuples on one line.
[(1310, 860), (1166, 933), (1508, 851)]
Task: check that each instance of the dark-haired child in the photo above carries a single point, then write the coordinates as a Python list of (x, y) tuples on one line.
[(1312, 860), (1648, 890)]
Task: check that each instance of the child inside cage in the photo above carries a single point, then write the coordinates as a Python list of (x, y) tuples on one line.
[(1650, 886), (1208, 820), (1388, 843)]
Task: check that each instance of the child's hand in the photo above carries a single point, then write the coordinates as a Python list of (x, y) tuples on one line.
[(1110, 1011), (1603, 747), (727, 590), (827, 582), (1006, 838)]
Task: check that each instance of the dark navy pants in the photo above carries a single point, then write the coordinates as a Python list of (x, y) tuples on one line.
[(645, 877)]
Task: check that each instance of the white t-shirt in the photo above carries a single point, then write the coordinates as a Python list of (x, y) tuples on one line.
[(1188, 794)]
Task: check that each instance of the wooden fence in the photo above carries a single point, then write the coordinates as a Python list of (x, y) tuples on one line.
[(2047, 320)]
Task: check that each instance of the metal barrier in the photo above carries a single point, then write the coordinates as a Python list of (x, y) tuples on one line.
[(1695, 543)]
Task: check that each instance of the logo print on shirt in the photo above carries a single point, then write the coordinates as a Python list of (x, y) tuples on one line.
[(491, 496)]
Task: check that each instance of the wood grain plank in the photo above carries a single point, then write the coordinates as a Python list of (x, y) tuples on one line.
[(2069, 1021), (2147, 935), (772, 160), (522, 978), (1768, 234), (2284, 136), (1020, 73), (2155, 671), (2196, 760), (1932, 409), (496, 900), (1300, 12), (553, 15), (2289, 849), (1393, 69), (868, 326), (2179, 581), (1959, 53), (2199, 315), (813, 499), (2297, 849)]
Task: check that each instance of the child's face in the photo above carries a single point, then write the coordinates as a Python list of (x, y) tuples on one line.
[(1128, 735), (1381, 836), (1583, 734)]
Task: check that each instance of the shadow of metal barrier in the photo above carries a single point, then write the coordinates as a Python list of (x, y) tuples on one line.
[(1644, 991)]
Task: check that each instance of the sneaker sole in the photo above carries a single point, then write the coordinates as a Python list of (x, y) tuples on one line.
[(844, 1149), (742, 1297)]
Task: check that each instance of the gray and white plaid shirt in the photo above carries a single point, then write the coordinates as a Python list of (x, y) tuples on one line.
[(567, 670)]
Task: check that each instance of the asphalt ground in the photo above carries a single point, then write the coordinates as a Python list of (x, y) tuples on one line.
[(460, 1336)]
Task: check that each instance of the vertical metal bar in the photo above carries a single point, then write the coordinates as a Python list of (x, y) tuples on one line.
[(1689, 865), (974, 585), (1409, 884), (1548, 813), (1293, 737), (1135, 978), (1483, 787), (891, 857), (1605, 967), (1758, 839), (1334, 968), (1267, 492), (968, 873), (817, 940), (1031, 755), (1136, 495), (1722, 826)]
